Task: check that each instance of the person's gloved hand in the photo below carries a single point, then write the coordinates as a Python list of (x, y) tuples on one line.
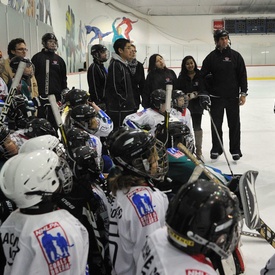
[(205, 102), (40, 101)]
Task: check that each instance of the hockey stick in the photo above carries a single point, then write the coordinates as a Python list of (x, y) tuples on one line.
[(12, 91), (58, 121), (47, 81), (197, 162), (220, 141)]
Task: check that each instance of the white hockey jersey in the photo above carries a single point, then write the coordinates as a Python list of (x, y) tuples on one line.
[(146, 117), (133, 216), (158, 256), (269, 269), (51, 243)]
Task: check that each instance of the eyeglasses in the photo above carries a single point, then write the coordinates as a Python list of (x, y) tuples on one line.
[(22, 49)]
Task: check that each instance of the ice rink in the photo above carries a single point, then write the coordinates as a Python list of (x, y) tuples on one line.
[(258, 148)]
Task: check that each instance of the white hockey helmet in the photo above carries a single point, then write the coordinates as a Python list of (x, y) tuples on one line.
[(47, 142), (28, 178)]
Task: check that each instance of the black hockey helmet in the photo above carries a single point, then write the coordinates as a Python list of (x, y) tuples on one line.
[(136, 150), (4, 132), (76, 97), (85, 161), (157, 98), (204, 216), (96, 50), (14, 63), (82, 116), (39, 127), (176, 94), (178, 133), (220, 33), (46, 37), (77, 137)]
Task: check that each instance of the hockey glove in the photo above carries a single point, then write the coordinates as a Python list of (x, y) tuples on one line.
[(40, 101), (205, 102)]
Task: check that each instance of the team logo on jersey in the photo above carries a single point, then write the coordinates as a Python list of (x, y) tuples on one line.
[(227, 59), (55, 247), (142, 202)]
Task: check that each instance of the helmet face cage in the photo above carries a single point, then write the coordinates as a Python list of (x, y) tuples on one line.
[(152, 163), (49, 36), (96, 52), (179, 100), (64, 175)]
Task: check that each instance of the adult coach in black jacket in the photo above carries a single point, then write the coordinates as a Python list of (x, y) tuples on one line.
[(228, 91), (119, 92)]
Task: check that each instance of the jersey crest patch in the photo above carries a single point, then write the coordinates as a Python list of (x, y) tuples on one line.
[(55, 247), (142, 202)]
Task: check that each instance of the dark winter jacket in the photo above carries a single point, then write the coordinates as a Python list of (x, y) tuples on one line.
[(188, 85), (97, 76), (57, 73), (119, 91), (228, 71), (157, 79), (138, 81)]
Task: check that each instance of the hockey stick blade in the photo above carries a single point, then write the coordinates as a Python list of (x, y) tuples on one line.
[(12, 91), (249, 199)]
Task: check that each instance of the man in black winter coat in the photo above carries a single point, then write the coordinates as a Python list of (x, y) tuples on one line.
[(119, 92), (228, 92)]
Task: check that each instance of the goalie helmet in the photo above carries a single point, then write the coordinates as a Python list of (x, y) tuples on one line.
[(28, 185), (203, 216), (138, 151), (39, 127), (76, 97), (179, 100), (178, 133), (84, 116), (97, 50), (49, 36), (157, 98), (220, 33)]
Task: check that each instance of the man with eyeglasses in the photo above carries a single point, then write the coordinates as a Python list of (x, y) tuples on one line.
[(17, 47)]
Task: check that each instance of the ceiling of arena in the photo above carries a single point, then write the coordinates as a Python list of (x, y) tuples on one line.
[(200, 7)]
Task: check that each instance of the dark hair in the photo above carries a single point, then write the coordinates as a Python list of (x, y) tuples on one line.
[(183, 63), (152, 62), (120, 44), (12, 46)]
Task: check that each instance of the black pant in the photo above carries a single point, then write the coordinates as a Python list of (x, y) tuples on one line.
[(232, 108), (118, 116)]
